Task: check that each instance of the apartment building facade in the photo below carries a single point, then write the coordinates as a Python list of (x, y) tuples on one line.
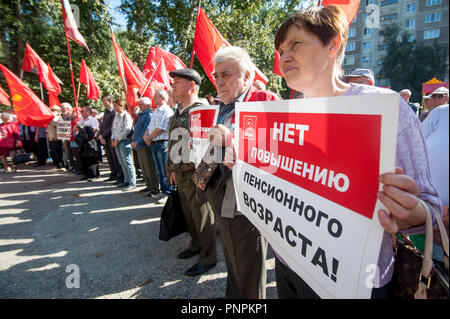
[(426, 21)]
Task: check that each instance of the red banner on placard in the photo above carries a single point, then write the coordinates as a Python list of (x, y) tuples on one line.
[(313, 151), (200, 122)]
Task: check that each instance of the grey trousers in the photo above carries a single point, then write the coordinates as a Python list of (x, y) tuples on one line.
[(147, 164)]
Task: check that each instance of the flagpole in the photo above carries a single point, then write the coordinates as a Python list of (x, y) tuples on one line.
[(71, 74), (78, 92), (42, 93), (151, 78)]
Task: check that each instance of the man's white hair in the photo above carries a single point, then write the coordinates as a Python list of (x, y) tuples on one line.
[(66, 105), (163, 93), (239, 55), (6, 115), (146, 100), (406, 91)]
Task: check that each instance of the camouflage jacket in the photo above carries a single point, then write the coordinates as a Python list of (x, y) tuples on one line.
[(178, 148)]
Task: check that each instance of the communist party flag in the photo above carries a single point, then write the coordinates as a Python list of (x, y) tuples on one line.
[(130, 74), (158, 79), (350, 7), (92, 90), (33, 63), (4, 97), (70, 25), (207, 41), (30, 110)]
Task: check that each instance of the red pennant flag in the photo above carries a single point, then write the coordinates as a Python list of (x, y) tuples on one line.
[(49, 79), (276, 64), (350, 7), (4, 97), (207, 41), (159, 79), (92, 90), (30, 110), (171, 61), (70, 25), (53, 99), (130, 74)]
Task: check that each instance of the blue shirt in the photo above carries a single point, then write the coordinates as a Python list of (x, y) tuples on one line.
[(142, 121)]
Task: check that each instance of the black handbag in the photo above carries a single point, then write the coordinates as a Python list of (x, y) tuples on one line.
[(172, 218), (20, 156)]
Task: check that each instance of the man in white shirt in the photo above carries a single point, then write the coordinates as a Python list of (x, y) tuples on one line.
[(87, 119), (157, 135)]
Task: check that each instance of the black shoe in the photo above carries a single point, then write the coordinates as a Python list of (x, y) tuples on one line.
[(198, 269), (84, 178), (187, 254), (117, 182), (153, 194), (144, 190), (109, 179), (123, 185)]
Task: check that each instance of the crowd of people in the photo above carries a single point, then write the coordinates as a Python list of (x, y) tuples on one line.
[(142, 142)]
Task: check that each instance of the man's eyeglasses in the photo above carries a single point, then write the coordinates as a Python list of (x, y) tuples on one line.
[(439, 96)]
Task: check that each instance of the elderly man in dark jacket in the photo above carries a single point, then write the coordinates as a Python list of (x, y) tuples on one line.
[(104, 136)]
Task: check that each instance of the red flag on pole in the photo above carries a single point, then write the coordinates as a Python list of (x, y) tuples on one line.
[(30, 110), (130, 74), (350, 7), (53, 99), (49, 79), (159, 79), (171, 61), (33, 63), (92, 90), (70, 25), (207, 41), (276, 64), (4, 97)]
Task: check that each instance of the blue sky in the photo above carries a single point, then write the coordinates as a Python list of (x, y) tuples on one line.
[(117, 16)]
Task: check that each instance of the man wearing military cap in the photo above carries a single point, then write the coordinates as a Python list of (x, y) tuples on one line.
[(199, 216)]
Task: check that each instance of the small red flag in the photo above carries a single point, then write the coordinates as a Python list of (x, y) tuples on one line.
[(350, 7), (276, 64), (171, 61), (130, 74), (92, 90), (30, 110), (70, 25), (207, 41), (159, 79), (49, 79), (4, 97), (53, 99)]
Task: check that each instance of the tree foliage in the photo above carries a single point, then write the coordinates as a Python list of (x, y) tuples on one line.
[(408, 64), (169, 24)]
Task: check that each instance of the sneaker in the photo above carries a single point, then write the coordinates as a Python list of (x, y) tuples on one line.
[(129, 188)]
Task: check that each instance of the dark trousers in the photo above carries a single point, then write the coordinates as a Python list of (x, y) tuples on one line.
[(42, 150), (76, 155), (199, 219), (245, 251), (56, 152), (292, 286), (113, 162), (137, 165), (69, 153), (147, 164)]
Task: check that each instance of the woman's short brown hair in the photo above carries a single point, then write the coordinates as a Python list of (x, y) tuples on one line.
[(324, 22), (121, 103)]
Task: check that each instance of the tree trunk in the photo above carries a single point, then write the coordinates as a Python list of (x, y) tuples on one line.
[(19, 35)]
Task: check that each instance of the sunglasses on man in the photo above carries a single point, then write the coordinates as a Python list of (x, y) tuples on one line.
[(439, 96)]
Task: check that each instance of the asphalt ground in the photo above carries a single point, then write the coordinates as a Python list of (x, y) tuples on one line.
[(64, 238)]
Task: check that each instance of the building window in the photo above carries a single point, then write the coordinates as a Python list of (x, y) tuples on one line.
[(368, 2), (410, 23), (433, 17), (411, 38), (367, 31), (388, 2), (366, 46), (433, 2), (389, 17), (411, 7), (431, 34), (349, 60), (352, 33), (350, 46), (382, 47), (380, 62), (365, 60)]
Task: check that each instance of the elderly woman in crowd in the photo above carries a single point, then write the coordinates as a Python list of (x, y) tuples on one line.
[(121, 128), (9, 138), (311, 44)]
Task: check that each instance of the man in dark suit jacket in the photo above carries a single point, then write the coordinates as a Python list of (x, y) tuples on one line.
[(104, 136)]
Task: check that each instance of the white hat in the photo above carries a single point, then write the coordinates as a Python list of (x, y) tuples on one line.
[(441, 90)]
